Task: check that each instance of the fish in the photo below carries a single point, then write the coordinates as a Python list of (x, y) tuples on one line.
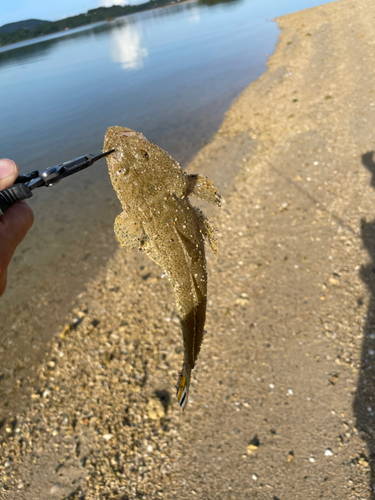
[(158, 219)]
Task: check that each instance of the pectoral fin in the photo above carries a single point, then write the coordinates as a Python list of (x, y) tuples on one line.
[(126, 232), (203, 188)]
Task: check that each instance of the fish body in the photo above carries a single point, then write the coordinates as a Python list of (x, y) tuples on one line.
[(159, 220)]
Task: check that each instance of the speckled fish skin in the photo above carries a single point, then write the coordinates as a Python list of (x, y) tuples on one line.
[(158, 219)]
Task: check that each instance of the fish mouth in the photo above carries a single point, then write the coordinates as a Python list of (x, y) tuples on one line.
[(132, 133), (114, 133)]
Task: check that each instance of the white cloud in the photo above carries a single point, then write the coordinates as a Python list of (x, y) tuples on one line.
[(109, 3), (127, 47)]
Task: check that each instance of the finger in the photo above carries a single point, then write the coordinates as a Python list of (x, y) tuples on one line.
[(18, 219), (14, 226), (3, 281), (8, 173)]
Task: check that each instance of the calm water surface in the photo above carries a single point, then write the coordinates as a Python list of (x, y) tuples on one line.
[(170, 73)]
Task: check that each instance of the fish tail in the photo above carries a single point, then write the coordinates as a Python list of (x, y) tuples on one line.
[(182, 387)]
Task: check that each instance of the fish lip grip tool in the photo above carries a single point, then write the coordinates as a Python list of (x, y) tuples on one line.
[(26, 183)]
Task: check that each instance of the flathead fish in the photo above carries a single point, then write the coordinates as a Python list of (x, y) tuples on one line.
[(159, 220)]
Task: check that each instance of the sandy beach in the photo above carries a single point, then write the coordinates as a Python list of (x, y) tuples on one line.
[(282, 403)]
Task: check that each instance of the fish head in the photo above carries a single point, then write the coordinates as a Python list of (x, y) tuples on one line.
[(132, 151), (137, 168)]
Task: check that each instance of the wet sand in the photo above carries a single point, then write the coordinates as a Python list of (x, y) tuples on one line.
[(282, 398)]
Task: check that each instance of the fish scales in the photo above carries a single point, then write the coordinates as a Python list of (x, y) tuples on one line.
[(159, 220)]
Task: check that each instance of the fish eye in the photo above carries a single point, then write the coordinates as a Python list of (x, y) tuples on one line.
[(144, 155)]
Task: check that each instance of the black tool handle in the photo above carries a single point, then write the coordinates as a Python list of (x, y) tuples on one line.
[(12, 194)]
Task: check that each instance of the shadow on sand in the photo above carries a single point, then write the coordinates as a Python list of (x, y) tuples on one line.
[(364, 403)]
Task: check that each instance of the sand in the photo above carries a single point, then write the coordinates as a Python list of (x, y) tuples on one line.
[(282, 399)]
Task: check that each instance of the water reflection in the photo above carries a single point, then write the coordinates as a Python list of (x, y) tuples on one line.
[(127, 47), (194, 15), (37, 48), (210, 3), (22, 54)]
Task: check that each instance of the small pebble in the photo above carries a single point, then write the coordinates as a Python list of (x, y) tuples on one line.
[(363, 462), (290, 392), (46, 393), (255, 477), (328, 452), (312, 459), (251, 449), (334, 281), (56, 488), (155, 409)]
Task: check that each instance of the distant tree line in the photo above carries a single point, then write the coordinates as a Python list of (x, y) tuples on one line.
[(92, 16)]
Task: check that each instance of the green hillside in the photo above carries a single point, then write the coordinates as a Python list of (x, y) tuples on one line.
[(92, 16), (28, 24)]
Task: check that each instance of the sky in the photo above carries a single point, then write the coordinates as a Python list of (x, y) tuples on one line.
[(20, 10)]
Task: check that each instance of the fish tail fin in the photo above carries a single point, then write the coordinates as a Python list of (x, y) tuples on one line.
[(182, 387)]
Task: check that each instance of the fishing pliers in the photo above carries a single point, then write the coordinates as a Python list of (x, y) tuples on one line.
[(26, 183)]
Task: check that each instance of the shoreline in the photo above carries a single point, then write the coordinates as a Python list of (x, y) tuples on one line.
[(281, 391)]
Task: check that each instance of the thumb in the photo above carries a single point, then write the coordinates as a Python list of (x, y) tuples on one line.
[(14, 224), (8, 173)]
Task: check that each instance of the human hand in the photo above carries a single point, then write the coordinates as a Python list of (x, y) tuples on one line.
[(14, 224)]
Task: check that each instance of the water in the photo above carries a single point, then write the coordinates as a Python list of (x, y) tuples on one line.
[(170, 73)]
